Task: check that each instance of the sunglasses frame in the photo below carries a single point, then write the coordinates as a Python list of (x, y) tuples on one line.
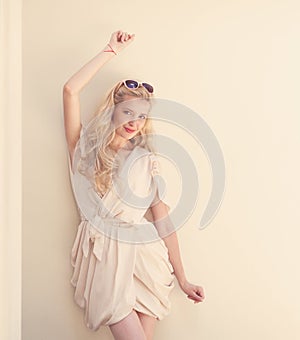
[(145, 85)]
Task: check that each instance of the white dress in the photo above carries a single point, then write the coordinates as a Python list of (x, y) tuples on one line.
[(119, 261)]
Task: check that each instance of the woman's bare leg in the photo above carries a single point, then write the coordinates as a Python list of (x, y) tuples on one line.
[(148, 323), (128, 328)]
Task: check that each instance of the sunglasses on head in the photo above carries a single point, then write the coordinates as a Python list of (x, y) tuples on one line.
[(133, 84)]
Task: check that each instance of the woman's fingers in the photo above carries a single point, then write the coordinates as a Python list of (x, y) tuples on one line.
[(125, 37), (200, 292), (120, 39), (195, 298), (193, 292), (119, 33), (122, 36), (130, 38), (196, 294)]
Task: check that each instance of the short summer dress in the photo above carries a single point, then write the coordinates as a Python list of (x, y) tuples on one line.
[(119, 261)]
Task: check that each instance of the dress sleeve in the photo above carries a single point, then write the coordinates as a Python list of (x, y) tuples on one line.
[(165, 225), (159, 182)]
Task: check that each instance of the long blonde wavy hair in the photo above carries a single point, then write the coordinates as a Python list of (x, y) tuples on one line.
[(97, 161)]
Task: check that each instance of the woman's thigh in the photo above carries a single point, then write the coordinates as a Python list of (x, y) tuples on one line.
[(128, 328), (148, 323)]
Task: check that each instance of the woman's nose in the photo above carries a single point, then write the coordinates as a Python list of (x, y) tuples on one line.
[(132, 122)]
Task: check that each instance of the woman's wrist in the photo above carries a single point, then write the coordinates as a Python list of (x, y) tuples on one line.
[(181, 281), (110, 49)]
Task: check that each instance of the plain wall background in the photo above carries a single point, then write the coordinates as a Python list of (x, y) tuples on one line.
[(236, 63), (10, 168)]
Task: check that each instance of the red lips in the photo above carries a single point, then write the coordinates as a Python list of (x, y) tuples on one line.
[(129, 130)]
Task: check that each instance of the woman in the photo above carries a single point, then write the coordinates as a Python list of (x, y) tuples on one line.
[(124, 285)]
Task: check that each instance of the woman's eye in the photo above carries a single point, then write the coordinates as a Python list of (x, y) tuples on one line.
[(127, 112), (143, 117)]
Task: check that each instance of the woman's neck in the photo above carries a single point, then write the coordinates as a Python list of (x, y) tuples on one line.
[(118, 144)]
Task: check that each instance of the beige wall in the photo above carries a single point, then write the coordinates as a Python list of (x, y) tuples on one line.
[(237, 64), (10, 168)]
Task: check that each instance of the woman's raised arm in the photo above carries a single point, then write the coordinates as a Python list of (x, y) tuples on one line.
[(71, 90)]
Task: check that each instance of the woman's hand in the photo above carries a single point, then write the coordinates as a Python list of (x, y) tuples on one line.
[(119, 40), (193, 292)]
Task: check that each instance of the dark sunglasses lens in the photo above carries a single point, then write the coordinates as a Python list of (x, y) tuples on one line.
[(148, 87), (132, 84)]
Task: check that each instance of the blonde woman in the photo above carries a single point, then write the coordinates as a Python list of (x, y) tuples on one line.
[(123, 285)]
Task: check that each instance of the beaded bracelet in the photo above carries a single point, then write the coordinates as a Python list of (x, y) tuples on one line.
[(111, 49)]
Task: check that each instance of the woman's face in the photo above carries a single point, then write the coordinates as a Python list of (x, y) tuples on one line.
[(130, 116)]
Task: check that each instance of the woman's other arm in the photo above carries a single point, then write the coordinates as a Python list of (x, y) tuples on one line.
[(71, 90), (164, 224)]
